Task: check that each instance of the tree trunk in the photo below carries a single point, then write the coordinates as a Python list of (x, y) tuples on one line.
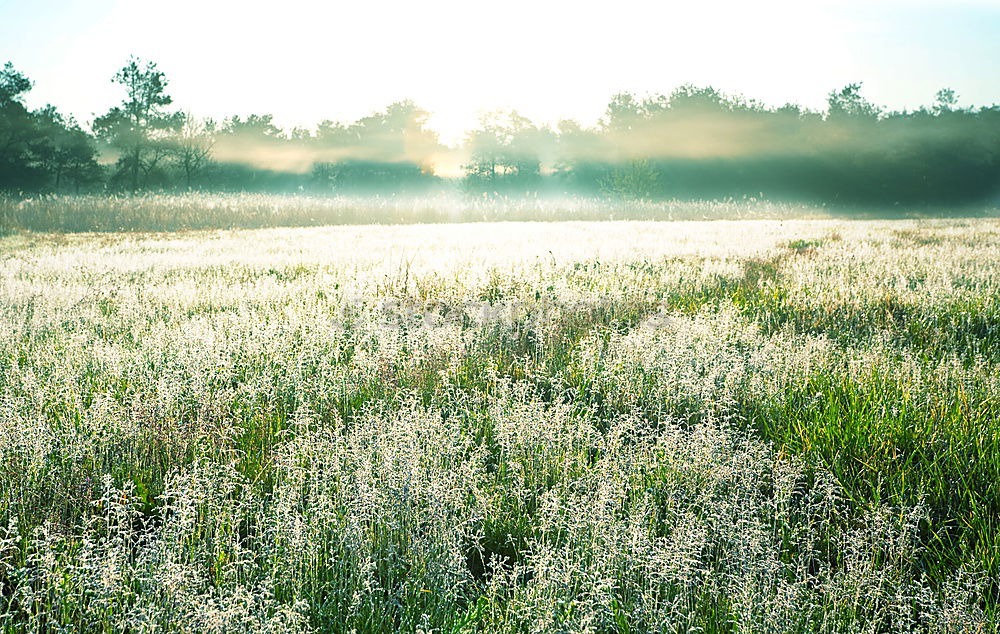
[(135, 171)]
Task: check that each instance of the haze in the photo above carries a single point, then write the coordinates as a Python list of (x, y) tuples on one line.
[(555, 60)]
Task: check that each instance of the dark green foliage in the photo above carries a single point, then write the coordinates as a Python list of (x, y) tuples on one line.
[(137, 128), (505, 155), (695, 143), (369, 177), (40, 149)]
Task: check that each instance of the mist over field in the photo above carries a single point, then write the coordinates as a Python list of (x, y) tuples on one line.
[(519, 318), (693, 143)]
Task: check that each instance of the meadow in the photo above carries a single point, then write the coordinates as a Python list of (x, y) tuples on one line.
[(726, 426), (201, 210)]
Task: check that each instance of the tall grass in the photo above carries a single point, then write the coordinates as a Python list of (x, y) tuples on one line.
[(616, 427), (170, 212)]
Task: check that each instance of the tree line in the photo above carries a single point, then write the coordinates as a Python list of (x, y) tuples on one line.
[(694, 142)]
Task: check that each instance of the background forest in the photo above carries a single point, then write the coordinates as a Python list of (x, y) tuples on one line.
[(693, 143)]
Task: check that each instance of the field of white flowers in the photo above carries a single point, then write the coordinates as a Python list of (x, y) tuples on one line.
[(198, 210), (730, 426)]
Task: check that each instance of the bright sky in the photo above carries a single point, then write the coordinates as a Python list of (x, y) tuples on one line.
[(307, 61)]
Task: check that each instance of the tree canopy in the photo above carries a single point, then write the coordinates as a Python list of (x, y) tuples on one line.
[(693, 142)]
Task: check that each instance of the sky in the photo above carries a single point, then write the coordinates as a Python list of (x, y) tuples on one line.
[(307, 61)]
